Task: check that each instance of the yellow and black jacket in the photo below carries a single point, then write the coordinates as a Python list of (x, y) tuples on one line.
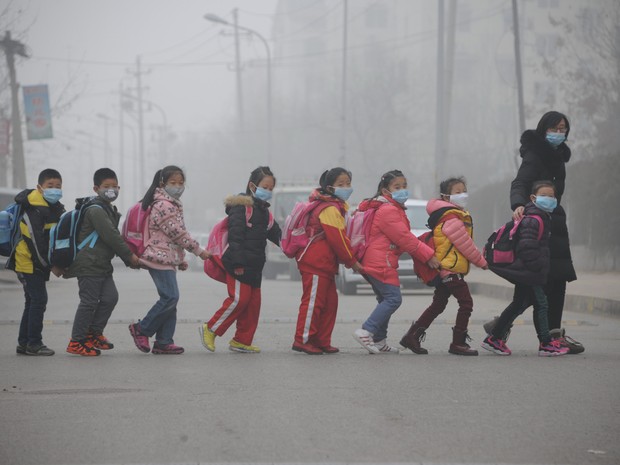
[(30, 255)]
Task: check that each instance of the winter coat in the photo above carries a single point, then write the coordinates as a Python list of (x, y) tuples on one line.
[(390, 236), (168, 236), (542, 162), (247, 241), (331, 244), (532, 259), (97, 261), (454, 245), (30, 255)]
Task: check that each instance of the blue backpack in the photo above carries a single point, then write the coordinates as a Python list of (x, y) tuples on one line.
[(10, 233), (63, 236)]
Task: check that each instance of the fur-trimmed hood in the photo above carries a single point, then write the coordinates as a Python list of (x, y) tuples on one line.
[(532, 142), (239, 199)]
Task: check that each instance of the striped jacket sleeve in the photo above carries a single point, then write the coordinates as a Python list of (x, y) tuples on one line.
[(333, 224)]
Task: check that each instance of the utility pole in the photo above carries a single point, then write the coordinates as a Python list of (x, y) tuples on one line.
[(515, 25), (12, 48), (439, 116), (140, 122), (343, 90), (238, 70), (449, 74)]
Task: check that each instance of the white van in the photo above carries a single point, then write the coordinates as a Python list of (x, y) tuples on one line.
[(282, 202), (348, 280)]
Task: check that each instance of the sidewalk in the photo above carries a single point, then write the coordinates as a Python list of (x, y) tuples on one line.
[(595, 293)]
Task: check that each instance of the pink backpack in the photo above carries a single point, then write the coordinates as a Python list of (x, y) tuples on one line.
[(218, 244), (136, 229), (358, 230), (294, 237)]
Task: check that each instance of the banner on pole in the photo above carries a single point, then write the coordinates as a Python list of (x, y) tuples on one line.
[(37, 110), (5, 126)]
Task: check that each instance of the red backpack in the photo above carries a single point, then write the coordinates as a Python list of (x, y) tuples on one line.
[(136, 229), (218, 244)]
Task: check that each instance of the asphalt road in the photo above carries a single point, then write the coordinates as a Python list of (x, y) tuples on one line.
[(283, 407)]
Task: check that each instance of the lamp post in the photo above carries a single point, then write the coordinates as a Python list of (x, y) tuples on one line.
[(216, 19)]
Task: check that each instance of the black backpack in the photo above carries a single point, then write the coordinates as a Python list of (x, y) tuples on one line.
[(502, 243), (63, 247)]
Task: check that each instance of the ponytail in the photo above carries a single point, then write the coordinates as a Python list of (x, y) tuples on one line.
[(161, 176)]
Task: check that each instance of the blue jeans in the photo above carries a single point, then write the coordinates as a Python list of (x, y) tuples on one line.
[(523, 297), (389, 299), (161, 320), (35, 294)]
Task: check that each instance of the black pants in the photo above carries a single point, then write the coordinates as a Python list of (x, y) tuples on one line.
[(523, 297), (556, 292), (35, 296)]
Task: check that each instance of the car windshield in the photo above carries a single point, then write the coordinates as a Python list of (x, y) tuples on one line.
[(417, 216), (283, 203)]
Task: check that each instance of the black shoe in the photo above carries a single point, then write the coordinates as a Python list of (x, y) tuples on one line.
[(21, 350), (39, 350)]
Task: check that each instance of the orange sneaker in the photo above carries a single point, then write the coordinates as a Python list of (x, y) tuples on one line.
[(82, 348), (99, 341)]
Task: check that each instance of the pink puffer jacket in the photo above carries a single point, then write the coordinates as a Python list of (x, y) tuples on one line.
[(390, 236), (168, 235)]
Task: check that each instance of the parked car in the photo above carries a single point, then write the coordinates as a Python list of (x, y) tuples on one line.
[(348, 280), (282, 202)]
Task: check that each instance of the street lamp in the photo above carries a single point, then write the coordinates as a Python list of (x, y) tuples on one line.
[(216, 19)]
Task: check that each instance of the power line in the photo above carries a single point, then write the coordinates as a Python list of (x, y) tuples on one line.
[(288, 13)]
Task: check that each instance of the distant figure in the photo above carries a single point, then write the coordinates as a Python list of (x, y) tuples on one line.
[(452, 228), (243, 262), (389, 237), (318, 263), (164, 253), (529, 272), (545, 154), (42, 210)]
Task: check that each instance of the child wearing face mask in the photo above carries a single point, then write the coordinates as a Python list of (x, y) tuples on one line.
[(318, 263), (164, 253), (243, 261), (452, 228), (528, 272), (93, 267), (390, 236), (41, 210)]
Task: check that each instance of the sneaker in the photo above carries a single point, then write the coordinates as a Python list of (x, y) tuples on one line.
[(81, 348), (574, 347), (238, 347), (552, 348), (99, 341), (307, 348), (141, 341), (497, 346), (21, 350), (365, 339), (384, 348), (169, 349), (329, 349), (489, 326), (207, 337), (39, 350)]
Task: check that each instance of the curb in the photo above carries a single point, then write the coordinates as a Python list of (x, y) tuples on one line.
[(574, 303)]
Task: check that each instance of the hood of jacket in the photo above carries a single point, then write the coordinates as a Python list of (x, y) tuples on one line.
[(436, 208), (243, 200), (31, 198), (531, 141), (376, 202)]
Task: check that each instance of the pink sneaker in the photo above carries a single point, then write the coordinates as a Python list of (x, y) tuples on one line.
[(552, 348), (141, 341), (169, 349)]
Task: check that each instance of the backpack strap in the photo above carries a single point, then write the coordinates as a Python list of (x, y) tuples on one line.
[(249, 211), (541, 226)]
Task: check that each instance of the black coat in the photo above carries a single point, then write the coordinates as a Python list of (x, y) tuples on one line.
[(532, 258), (542, 162), (247, 243)]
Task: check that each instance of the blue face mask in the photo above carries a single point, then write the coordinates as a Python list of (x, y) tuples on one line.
[(52, 195), (343, 193), (400, 196), (262, 194), (555, 138), (546, 204)]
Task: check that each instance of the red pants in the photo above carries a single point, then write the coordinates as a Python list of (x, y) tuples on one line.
[(242, 306), (459, 289), (317, 312)]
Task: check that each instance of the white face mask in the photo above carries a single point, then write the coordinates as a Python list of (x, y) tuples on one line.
[(459, 199)]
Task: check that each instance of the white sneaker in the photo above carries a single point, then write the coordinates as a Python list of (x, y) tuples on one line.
[(384, 348), (365, 339)]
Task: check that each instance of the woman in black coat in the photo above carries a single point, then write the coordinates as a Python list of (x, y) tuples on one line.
[(545, 154)]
